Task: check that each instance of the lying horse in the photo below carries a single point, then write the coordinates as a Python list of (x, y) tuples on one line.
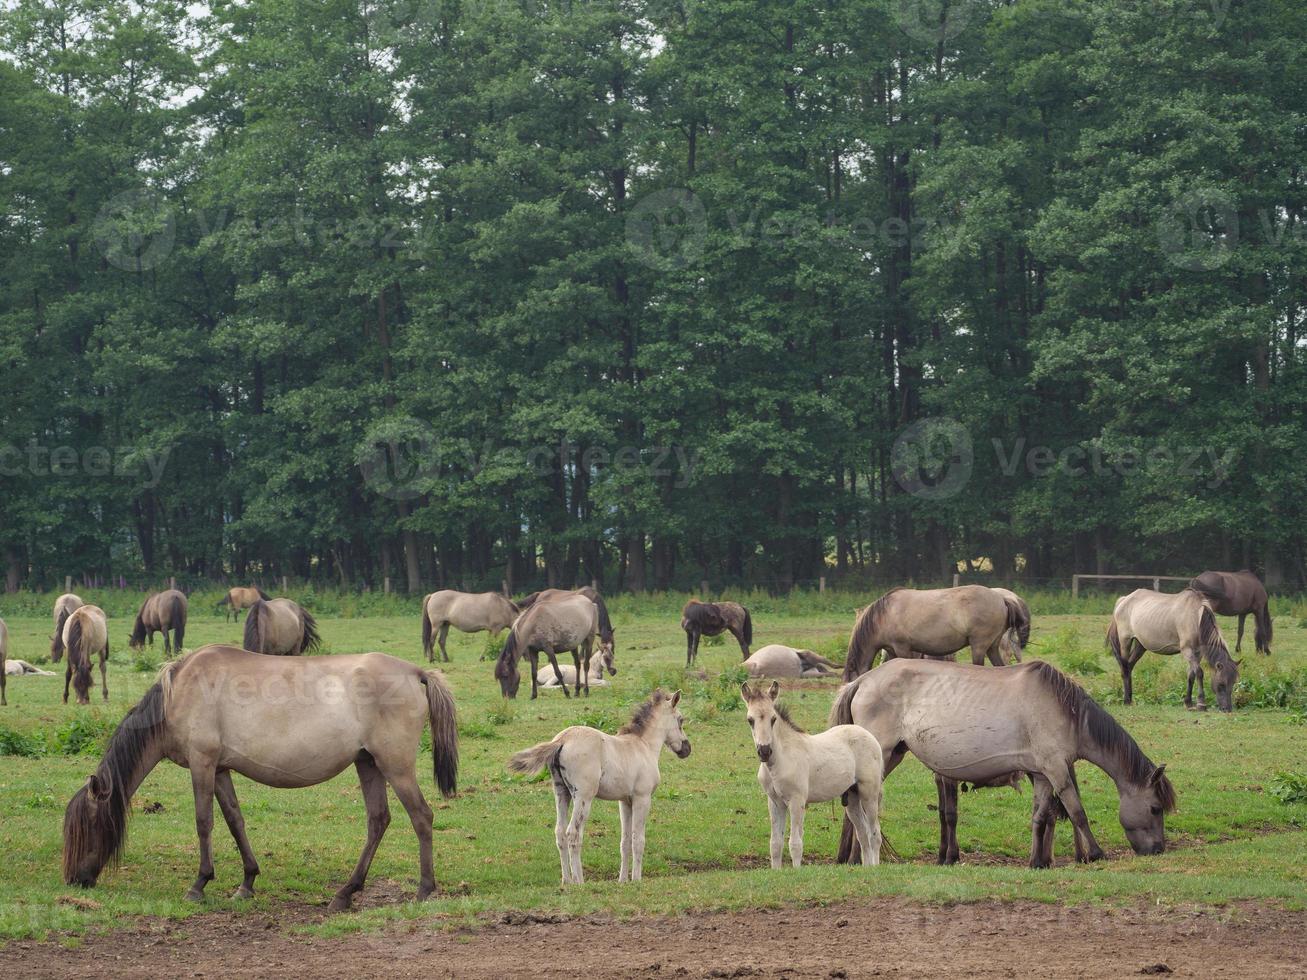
[(561, 625), (591, 593), (1238, 594), (545, 679), (467, 612), (776, 660), (281, 627), (1168, 623), (711, 619), (241, 597), (163, 612), (4, 655), (987, 727), (367, 710), (587, 764), (797, 769), (63, 608), (86, 635), (912, 623)]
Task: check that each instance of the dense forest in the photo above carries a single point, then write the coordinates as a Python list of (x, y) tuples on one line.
[(751, 291)]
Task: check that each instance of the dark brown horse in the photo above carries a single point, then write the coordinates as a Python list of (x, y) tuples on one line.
[(1238, 594), (711, 619), (163, 612), (591, 593)]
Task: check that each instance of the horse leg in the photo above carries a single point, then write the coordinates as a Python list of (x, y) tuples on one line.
[(231, 812), (1195, 673), (798, 810), (373, 785), (558, 673), (1043, 821), (404, 781), (849, 849), (68, 676), (563, 802), (639, 816), (202, 780), (1238, 643), (104, 673), (587, 651), (948, 820), (1127, 665), (689, 648), (865, 822), (1087, 849), (440, 638), (776, 807), (534, 657), (624, 807), (576, 835), (739, 638)]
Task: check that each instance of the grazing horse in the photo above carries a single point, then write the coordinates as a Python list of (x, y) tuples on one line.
[(586, 763), (912, 623), (797, 769), (554, 627), (63, 608), (86, 633), (241, 597), (1181, 622), (467, 612), (367, 710), (281, 627), (987, 727), (546, 680), (4, 655), (163, 612), (776, 660), (591, 593), (1238, 594), (711, 619)]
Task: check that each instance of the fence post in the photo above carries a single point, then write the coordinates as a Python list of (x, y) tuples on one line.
[(172, 581), (703, 588), (503, 584), (1157, 585), (957, 580), (284, 587), (68, 583), (821, 584), (1075, 586), (386, 584)]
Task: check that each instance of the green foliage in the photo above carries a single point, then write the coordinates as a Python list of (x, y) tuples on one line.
[(85, 734), (1065, 650), (19, 743), (1289, 787)]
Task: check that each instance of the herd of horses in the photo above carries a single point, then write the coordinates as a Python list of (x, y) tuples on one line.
[(970, 724)]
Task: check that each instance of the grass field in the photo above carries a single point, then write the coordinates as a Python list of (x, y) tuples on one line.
[(1233, 837)]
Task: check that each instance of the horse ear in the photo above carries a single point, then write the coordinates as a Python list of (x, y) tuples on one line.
[(745, 692), (100, 788), (676, 698), (774, 690), (1157, 775), (1239, 662)]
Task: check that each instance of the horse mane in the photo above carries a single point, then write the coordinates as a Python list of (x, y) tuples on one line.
[(868, 623), (78, 659), (644, 714), (251, 639), (506, 665), (1211, 644), (106, 832), (262, 595), (138, 628), (783, 712), (695, 612), (1104, 730)]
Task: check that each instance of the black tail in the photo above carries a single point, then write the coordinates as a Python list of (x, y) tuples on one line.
[(253, 639), (224, 601), (527, 601), (427, 647), (605, 624), (262, 595), (309, 639), (57, 641), (177, 620), (748, 628), (1263, 628)]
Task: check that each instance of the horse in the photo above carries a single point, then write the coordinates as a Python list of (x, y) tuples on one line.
[(163, 612), (367, 709), (4, 655), (797, 769), (241, 597), (911, 623), (586, 764), (553, 627), (591, 593), (1015, 640), (546, 680), (280, 627), (968, 723), (467, 612), (777, 660), (63, 608), (1238, 594), (86, 633), (711, 619), (1181, 622)]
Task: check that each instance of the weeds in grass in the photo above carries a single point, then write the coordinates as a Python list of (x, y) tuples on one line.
[(1276, 689), (1064, 646), (604, 719), (1289, 787), (468, 728), (493, 646), (502, 713), (87, 733), (20, 743), (40, 801)]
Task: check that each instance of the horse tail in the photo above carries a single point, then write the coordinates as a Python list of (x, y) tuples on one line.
[(262, 595), (79, 659), (527, 601), (1113, 641), (1208, 585), (530, 761), (605, 624), (57, 641), (1263, 628), (309, 638), (224, 601), (841, 713), (748, 627), (444, 732), (427, 647), (1017, 626), (253, 639), (178, 622), (1211, 643)]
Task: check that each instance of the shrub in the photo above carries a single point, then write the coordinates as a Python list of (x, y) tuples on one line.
[(19, 743), (86, 733), (1289, 787)]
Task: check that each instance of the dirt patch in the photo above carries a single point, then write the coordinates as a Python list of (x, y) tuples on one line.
[(878, 938)]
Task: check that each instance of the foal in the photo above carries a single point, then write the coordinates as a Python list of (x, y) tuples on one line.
[(798, 769), (587, 763)]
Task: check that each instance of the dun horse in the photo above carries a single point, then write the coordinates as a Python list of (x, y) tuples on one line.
[(4, 655), (63, 608), (591, 593), (241, 597), (776, 660), (586, 764), (545, 679), (912, 623), (559, 626), (163, 612), (1182, 622), (711, 619), (1238, 594), (280, 627), (467, 612), (986, 727), (797, 769), (195, 717), (86, 635)]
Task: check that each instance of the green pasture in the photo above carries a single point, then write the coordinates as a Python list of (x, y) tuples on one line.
[(1240, 831)]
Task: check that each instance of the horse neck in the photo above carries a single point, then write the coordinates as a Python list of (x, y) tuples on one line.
[(1105, 758), (652, 737)]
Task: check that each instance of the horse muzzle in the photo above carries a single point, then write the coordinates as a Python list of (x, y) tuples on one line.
[(684, 751), (764, 753)]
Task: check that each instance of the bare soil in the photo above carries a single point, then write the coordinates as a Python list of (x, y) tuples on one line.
[(875, 938)]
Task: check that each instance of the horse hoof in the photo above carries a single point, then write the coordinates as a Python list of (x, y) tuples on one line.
[(195, 895), (425, 893), (339, 904), (243, 893)]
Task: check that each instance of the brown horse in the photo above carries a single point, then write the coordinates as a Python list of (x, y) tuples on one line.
[(912, 623), (63, 608), (591, 593), (467, 612), (280, 627), (86, 633), (163, 612), (241, 597), (711, 619), (367, 710), (1238, 594), (552, 627)]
